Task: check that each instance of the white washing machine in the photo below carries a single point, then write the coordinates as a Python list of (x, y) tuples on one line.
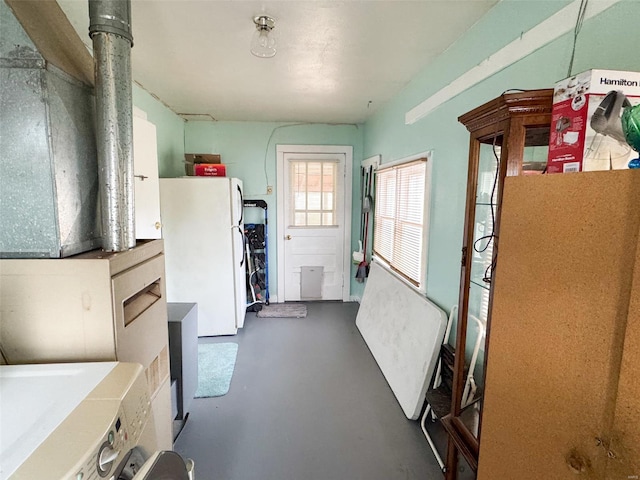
[(81, 421)]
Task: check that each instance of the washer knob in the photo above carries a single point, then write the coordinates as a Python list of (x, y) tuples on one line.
[(105, 458)]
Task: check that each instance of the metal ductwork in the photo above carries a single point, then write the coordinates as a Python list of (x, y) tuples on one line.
[(110, 31), (48, 160)]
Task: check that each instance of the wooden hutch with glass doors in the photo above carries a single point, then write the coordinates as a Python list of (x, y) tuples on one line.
[(509, 137)]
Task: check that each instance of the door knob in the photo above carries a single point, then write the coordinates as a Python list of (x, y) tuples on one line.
[(158, 225), (288, 237)]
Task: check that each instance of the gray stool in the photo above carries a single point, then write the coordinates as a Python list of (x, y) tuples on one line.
[(183, 352)]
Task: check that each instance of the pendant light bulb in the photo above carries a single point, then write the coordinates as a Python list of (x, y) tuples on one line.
[(263, 43)]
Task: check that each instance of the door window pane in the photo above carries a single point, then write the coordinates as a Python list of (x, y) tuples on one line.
[(314, 219), (300, 218), (327, 200), (300, 201), (313, 193), (315, 201)]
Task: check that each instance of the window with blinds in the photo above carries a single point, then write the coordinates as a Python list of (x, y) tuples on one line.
[(399, 229)]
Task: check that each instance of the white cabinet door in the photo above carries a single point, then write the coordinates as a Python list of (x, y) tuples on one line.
[(147, 189)]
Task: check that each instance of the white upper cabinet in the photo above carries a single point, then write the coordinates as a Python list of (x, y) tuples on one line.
[(147, 189)]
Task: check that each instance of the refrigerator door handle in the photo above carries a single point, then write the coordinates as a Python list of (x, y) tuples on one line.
[(243, 243), (241, 205)]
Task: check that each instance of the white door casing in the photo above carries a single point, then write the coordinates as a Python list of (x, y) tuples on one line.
[(314, 246)]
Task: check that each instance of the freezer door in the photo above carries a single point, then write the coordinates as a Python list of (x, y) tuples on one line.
[(240, 269)]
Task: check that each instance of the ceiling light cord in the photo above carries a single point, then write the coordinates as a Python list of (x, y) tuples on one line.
[(576, 31), (266, 150)]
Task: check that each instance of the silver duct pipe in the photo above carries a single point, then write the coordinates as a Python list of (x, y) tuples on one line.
[(110, 30)]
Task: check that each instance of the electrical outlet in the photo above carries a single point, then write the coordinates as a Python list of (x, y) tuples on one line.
[(269, 189)]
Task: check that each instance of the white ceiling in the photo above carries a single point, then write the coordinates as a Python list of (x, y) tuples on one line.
[(337, 61)]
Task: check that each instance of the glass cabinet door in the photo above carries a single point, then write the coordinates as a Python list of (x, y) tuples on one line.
[(481, 252), (483, 257), (536, 150)]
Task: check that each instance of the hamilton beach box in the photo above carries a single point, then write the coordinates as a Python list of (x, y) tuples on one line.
[(586, 127)]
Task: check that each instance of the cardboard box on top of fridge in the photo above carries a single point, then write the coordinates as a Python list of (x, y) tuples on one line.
[(586, 128), (191, 159)]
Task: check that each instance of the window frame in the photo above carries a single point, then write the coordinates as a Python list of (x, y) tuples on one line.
[(421, 284)]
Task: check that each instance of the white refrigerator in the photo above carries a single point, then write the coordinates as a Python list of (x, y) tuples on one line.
[(203, 231)]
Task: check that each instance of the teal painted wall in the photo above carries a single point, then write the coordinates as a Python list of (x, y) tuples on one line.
[(603, 43), (169, 132), (248, 149)]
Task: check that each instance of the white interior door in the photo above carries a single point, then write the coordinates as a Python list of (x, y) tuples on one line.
[(147, 186), (314, 231)]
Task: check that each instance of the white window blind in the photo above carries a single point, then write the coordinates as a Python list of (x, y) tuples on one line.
[(399, 218)]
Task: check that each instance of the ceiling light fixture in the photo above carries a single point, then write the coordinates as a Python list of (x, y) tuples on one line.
[(263, 43)]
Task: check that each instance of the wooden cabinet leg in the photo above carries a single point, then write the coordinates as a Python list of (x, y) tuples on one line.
[(451, 465)]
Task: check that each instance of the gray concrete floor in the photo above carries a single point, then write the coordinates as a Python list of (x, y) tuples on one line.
[(307, 402)]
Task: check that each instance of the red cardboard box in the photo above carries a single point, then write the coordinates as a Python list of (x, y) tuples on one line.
[(209, 170), (586, 129)]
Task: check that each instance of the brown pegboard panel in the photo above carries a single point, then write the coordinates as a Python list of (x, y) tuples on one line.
[(567, 251)]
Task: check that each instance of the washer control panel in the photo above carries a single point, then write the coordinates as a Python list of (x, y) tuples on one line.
[(124, 433)]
